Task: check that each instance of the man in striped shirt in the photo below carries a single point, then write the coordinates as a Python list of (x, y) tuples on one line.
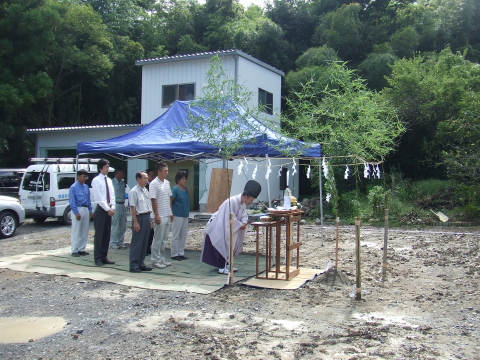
[(160, 193)]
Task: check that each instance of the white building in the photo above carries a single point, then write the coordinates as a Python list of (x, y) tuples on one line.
[(182, 77)]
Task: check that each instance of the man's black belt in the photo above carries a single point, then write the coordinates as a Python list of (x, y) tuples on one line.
[(120, 202), (147, 213)]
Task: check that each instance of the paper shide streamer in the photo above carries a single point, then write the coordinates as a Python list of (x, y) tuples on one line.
[(366, 171), (347, 173), (246, 165), (308, 171), (240, 167), (325, 168), (269, 170), (254, 174)]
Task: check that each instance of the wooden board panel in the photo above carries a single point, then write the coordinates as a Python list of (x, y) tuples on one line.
[(220, 183)]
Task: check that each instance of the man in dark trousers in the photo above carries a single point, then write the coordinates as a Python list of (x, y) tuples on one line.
[(141, 223), (104, 195)]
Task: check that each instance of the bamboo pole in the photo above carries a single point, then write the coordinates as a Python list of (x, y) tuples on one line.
[(321, 201), (358, 292), (231, 251), (385, 241), (337, 221), (268, 185)]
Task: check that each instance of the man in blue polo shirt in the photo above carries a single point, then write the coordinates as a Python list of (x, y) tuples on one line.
[(81, 206)]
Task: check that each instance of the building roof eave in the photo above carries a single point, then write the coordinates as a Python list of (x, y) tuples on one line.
[(208, 54), (83, 128)]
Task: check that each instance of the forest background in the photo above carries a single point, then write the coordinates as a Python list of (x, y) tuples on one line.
[(72, 62)]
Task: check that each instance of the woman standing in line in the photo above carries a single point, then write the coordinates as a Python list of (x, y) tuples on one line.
[(181, 209)]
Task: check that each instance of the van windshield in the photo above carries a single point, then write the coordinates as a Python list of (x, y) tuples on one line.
[(32, 179)]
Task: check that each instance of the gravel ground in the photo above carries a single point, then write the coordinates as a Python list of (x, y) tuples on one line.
[(427, 307)]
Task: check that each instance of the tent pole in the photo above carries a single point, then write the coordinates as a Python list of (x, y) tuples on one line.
[(268, 185), (321, 200)]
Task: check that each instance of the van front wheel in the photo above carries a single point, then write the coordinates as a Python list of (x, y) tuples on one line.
[(67, 216)]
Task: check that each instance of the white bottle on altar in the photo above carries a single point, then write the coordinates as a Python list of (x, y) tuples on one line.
[(287, 200)]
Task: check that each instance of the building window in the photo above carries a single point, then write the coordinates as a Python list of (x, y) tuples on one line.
[(183, 92), (265, 101)]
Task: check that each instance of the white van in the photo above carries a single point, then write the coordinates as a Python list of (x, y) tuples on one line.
[(45, 186)]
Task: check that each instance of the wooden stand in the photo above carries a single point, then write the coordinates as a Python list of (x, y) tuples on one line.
[(276, 271)]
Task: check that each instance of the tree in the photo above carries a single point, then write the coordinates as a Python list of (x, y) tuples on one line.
[(319, 56), (54, 55), (426, 91), (26, 36), (347, 118), (258, 36), (404, 42), (461, 139), (297, 20), (377, 66), (342, 30)]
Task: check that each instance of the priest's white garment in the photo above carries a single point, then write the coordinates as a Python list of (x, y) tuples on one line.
[(218, 228)]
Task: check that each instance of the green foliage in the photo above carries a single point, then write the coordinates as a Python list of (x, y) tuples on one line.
[(341, 30), (319, 56), (378, 199), (375, 68), (429, 92), (347, 119), (331, 190), (351, 205), (461, 139), (404, 42), (430, 187)]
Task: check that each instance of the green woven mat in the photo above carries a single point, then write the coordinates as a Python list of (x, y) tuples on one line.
[(188, 275)]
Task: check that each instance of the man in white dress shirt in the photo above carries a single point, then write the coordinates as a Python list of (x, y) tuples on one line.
[(104, 195)]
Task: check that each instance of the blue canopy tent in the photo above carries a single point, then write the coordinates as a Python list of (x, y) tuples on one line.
[(160, 140)]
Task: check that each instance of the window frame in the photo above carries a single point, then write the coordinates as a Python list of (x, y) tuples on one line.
[(265, 107), (177, 91)]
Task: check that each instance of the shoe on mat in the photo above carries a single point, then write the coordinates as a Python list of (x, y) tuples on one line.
[(122, 247), (166, 263), (83, 253), (75, 254), (98, 263), (228, 267), (146, 268), (106, 261), (159, 265), (182, 257), (223, 271), (177, 258), (114, 247), (135, 270)]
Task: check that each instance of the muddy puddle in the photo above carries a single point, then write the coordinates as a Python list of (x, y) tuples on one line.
[(26, 329)]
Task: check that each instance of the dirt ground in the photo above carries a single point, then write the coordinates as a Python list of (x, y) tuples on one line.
[(427, 307)]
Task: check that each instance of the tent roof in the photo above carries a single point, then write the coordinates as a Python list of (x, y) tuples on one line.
[(160, 140)]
